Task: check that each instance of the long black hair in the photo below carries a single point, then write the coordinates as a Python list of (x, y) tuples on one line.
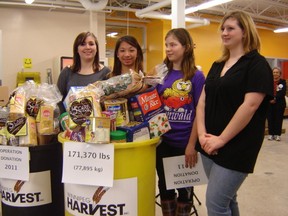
[(117, 67)]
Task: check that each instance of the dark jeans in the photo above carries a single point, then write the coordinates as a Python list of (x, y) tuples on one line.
[(162, 151), (275, 118)]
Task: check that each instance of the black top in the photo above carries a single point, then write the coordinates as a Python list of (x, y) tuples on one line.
[(280, 93), (224, 95)]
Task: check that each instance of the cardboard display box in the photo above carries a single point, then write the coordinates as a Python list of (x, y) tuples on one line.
[(4, 95)]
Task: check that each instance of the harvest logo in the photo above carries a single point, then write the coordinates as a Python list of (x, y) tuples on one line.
[(83, 200), (21, 197), (92, 209), (28, 194)]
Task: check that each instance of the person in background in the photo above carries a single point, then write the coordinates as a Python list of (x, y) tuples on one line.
[(277, 106), (86, 67), (179, 94), (127, 55), (231, 113)]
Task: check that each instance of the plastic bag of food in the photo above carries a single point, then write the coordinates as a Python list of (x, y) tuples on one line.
[(17, 102), (114, 84), (47, 120), (156, 76), (119, 86), (4, 112), (82, 104)]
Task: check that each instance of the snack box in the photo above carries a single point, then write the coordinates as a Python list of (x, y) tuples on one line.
[(158, 125), (31, 136), (136, 131), (147, 106), (45, 120)]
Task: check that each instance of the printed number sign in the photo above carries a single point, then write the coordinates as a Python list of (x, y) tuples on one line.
[(88, 164)]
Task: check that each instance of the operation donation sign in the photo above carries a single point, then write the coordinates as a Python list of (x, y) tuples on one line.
[(178, 176), (14, 162)]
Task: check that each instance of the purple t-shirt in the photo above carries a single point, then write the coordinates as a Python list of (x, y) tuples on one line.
[(180, 99)]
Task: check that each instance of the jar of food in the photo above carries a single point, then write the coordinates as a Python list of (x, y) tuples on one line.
[(117, 136), (64, 121)]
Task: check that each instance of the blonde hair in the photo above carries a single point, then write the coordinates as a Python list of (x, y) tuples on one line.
[(251, 39)]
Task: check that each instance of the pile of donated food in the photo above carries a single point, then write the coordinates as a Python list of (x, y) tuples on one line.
[(31, 116), (124, 108)]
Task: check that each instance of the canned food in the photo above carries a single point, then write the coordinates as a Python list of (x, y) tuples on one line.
[(119, 106)]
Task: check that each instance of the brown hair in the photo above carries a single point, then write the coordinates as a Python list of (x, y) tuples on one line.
[(188, 66), (76, 58)]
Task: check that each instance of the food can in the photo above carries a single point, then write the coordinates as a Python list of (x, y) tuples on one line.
[(97, 130), (118, 105)]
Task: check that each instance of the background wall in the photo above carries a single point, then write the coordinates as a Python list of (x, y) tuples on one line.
[(45, 36), (208, 43), (1, 72), (39, 35)]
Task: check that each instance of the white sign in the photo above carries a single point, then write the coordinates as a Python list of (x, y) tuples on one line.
[(88, 164), (35, 192), (84, 200), (14, 162), (178, 176)]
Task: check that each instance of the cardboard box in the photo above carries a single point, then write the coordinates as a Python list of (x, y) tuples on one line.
[(4, 95), (136, 131), (147, 107)]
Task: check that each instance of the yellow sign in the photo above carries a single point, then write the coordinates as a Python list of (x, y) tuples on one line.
[(27, 63)]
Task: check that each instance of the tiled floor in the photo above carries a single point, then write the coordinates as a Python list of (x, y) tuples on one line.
[(265, 192)]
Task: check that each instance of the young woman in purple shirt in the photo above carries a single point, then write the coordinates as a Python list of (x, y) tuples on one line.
[(179, 94)]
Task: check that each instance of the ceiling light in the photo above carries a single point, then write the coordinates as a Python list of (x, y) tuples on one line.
[(29, 1), (281, 30), (206, 5), (112, 34)]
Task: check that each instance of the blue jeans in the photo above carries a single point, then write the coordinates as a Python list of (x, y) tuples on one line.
[(222, 189)]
